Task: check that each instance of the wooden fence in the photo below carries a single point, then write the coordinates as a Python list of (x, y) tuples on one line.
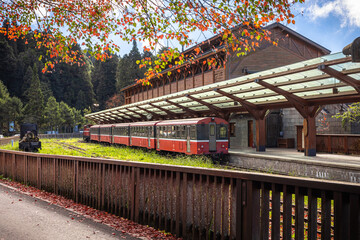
[(197, 203), (8, 140), (338, 143), (61, 135)]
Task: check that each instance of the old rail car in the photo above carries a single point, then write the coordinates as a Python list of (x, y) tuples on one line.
[(29, 141), (86, 133), (195, 136)]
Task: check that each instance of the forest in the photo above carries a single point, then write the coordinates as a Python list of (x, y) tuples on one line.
[(57, 100)]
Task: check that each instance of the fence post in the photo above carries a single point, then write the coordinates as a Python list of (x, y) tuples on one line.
[(76, 180), (13, 166), (102, 186), (177, 221), (136, 194), (25, 169), (239, 204), (184, 204), (38, 172), (2, 160), (55, 175)]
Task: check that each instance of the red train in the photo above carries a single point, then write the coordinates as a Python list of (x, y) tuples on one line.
[(195, 136)]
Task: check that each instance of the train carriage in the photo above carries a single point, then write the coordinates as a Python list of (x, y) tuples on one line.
[(95, 133), (196, 136), (105, 133), (207, 136), (121, 134), (142, 134)]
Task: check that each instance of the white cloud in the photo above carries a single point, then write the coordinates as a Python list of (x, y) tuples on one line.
[(347, 10)]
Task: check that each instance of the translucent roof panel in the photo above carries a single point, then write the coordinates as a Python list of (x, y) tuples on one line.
[(304, 79)]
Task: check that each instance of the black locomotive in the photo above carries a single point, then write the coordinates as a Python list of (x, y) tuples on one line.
[(29, 141)]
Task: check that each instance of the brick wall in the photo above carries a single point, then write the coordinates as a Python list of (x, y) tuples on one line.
[(263, 59)]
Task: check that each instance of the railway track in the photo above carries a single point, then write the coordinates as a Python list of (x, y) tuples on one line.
[(78, 149)]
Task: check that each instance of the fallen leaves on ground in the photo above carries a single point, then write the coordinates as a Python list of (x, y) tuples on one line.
[(118, 223)]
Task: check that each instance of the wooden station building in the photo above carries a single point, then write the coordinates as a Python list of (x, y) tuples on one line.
[(248, 91)]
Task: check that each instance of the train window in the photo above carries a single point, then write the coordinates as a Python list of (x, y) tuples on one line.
[(168, 129), (173, 132), (177, 132), (183, 133), (193, 132), (212, 130), (223, 132), (203, 132)]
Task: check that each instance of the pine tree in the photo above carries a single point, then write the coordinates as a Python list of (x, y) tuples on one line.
[(52, 114), (128, 70), (66, 116), (34, 107), (10, 107), (104, 79)]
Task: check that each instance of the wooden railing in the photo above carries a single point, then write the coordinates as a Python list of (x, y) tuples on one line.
[(197, 203), (338, 143), (8, 140)]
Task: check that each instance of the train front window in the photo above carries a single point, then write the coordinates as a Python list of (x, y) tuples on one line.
[(223, 132)]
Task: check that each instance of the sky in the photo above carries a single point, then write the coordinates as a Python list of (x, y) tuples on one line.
[(331, 23)]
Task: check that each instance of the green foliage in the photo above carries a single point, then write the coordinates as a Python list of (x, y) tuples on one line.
[(52, 114), (51, 146), (34, 108), (351, 115), (10, 107), (128, 69), (104, 79)]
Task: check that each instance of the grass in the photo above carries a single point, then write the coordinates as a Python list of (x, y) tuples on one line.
[(52, 146)]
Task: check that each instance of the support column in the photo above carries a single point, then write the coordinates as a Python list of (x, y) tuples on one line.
[(260, 135), (310, 136)]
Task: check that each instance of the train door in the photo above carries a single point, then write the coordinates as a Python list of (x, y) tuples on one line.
[(158, 131), (188, 138), (212, 137), (149, 136), (130, 132)]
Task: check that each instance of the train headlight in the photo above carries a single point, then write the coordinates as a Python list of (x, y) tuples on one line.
[(202, 146), (223, 146)]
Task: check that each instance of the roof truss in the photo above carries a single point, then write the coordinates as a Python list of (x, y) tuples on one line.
[(304, 85)]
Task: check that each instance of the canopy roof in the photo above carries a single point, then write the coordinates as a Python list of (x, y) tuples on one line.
[(324, 80)]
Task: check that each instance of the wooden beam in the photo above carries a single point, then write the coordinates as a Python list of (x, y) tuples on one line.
[(168, 112), (142, 116), (134, 119), (150, 112), (212, 108), (186, 109), (289, 96), (256, 111), (121, 117), (342, 77)]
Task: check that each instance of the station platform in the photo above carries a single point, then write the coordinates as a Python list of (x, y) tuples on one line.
[(291, 162)]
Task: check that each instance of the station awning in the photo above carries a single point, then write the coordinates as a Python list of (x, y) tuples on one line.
[(324, 80)]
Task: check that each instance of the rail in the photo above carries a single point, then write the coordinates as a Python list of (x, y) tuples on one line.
[(197, 203)]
